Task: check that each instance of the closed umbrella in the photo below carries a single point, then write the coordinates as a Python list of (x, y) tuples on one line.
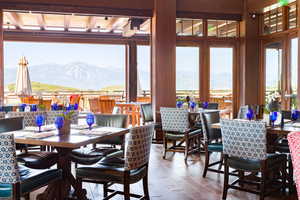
[(23, 84)]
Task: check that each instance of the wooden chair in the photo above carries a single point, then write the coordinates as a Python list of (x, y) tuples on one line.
[(176, 128), (144, 99), (47, 103), (126, 171), (245, 149), (18, 181), (75, 99), (94, 105), (106, 106)]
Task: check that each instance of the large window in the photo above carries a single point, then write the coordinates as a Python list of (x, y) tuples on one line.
[(221, 63), (294, 65), (222, 28), (143, 65), (273, 70), (62, 66), (187, 71), (189, 27)]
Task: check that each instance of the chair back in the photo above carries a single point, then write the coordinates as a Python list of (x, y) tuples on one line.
[(106, 106), (294, 144), (117, 121), (147, 112), (210, 106), (47, 103), (138, 146), (2, 115), (11, 124), (74, 99), (51, 116), (287, 114), (174, 119), (244, 109), (244, 139), (143, 99), (28, 117), (9, 173), (94, 105), (207, 119)]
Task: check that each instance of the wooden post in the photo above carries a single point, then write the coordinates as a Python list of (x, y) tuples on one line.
[(163, 42), (1, 60), (131, 71), (250, 82)]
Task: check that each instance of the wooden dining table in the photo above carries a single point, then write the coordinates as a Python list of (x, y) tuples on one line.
[(64, 144)]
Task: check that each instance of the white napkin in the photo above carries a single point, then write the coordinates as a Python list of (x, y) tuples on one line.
[(39, 135), (94, 132)]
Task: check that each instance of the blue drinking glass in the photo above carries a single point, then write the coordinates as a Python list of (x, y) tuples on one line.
[(76, 106), (273, 117), (33, 108), (205, 105), (294, 115), (250, 114), (59, 122), (192, 105), (22, 107), (54, 106), (179, 104), (39, 120), (90, 120)]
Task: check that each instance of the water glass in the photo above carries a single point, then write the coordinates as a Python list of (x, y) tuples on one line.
[(39, 120), (205, 105), (250, 114), (59, 122), (90, 120), (179, 104), (294, 115), (273, 117)]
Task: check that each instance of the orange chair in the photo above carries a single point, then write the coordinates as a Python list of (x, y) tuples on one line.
[(94, 105), (106, 106), (144, 99), (75, 99)]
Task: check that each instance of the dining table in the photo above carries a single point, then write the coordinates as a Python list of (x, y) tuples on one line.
[(64, 144)]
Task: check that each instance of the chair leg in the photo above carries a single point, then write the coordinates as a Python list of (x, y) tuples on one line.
[(226, 179), (262, 185), (221, 162), (241, 177), (126, 186), (105, 192), (165, 147), (206, 163), (290, 176), (186, 150), (284, 177), (145, 187)]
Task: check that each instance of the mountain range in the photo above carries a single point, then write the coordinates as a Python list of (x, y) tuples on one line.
[(84, 76)]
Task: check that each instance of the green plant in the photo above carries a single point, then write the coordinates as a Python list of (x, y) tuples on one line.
[(67, 115), (41, 107)]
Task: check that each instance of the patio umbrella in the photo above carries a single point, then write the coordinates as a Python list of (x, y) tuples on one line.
[(23, 84)]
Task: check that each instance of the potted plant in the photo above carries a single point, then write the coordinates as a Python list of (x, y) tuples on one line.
[(66, 127)]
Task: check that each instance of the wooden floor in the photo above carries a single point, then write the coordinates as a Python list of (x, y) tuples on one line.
[(171, 179)]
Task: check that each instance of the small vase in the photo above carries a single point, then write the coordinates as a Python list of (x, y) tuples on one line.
[(65, 130)]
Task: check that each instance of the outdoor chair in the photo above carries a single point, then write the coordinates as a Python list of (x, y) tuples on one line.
[(51, 116), (28, 117), (210, 106), (176, 128), (212, 140), (128, 170), (88, 156), (17, 181), (245, 150), (106, 106)]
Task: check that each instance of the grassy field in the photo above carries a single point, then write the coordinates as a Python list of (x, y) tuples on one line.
[(37, 86)]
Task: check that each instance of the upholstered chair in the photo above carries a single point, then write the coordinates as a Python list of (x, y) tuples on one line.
[(212, 140), (51, 116), (244, 109), (245, 150), (17, 181), (210, 106), (176, 128), (128, 170), (88, 156), (28, 117), (294, 144)]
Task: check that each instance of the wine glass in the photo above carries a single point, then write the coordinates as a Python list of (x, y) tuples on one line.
[(294, 115), (76, 106), (273, 117), (59, 122), (179, 104), (90, 120), (22, 107), (54, 106), (193, 105), (205, 105), (33, 108), (250, 114), (39, 120)]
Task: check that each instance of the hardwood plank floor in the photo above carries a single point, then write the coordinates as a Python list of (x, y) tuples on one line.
[(171, 179)]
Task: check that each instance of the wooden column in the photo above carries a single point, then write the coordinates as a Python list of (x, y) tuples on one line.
[(163, 41), (249, 66), (298, 23), (1, 60), (131, 71)]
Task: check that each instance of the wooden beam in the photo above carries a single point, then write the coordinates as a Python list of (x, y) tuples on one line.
[(163, 41), (205, 15), (131, 71), (1, 60), (41, 21), (90, 24), (15, 19), (67, 21), (114, 23), (146, 24)]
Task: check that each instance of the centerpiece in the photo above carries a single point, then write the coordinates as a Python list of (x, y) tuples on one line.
[(63, 122)]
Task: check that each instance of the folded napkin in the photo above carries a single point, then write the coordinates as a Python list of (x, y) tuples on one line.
[(94, 132), (43, 128), (39, 135), (297, 124)]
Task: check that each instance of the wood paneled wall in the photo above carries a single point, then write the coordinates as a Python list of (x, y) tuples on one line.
[(131, 71)]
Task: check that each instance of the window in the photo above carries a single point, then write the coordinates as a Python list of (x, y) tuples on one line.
[(293, 15), (272, 21), (143, 67), (187, 71), (294, 65), (189, 27), (222, 28), (221, 63)]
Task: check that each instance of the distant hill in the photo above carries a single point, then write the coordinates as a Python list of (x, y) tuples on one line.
[(113, 88), (36, 86)]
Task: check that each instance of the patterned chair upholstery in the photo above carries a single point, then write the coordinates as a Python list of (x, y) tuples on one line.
[(126, 171), (28, 117), (2, 115), (294, 144), (245, 149), (88, 156), (212, 139), (210, 106), (176, 127), (51, 115), (17, 181)]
